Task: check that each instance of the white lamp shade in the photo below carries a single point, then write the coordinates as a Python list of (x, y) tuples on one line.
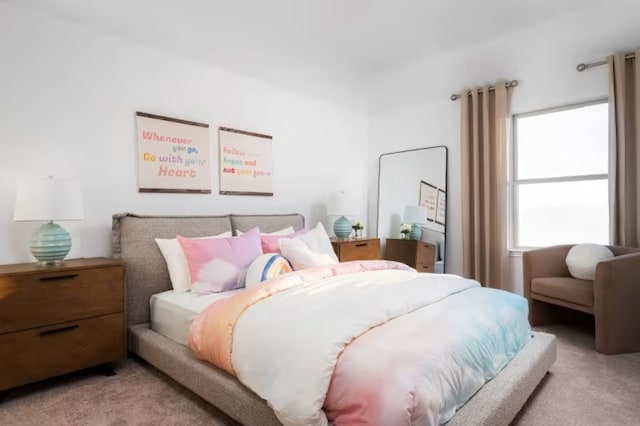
[(48, 199), (339, 205), (415, 215)]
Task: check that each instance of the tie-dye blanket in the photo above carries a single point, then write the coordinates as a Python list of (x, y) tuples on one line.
[(370, 342)]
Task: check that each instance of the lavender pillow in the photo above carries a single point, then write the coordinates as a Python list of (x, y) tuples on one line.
[(220, 264)]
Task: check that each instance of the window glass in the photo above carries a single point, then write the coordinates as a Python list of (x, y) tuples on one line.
[(563, 213), (570, 142), (559, 177)]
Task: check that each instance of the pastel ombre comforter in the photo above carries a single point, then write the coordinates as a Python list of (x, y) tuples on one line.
[(371, 342)]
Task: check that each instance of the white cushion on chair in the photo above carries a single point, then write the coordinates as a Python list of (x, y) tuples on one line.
[(582, 260)]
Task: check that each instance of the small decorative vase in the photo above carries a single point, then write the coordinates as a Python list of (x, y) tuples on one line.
[(404, 235), (358, 233)]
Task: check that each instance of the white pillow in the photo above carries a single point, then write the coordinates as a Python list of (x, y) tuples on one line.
[(308, 250), (177, 262), (286, 231), (582, 260), (267, 266)]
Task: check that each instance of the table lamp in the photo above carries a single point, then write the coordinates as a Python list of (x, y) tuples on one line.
[(415, 215), (339, 206), (49, 199)]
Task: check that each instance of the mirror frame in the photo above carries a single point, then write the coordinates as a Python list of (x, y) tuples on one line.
[(446, 182)]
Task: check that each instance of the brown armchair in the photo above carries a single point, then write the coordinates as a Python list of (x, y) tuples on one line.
[(613, 298)]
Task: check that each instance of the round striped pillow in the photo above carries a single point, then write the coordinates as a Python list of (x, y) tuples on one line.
[(266, 266)]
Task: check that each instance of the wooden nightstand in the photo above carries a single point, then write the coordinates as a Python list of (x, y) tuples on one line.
[(356, 249), (59, 319), (415, 253)]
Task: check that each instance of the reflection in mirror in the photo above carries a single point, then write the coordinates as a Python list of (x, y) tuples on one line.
[(416, 177)]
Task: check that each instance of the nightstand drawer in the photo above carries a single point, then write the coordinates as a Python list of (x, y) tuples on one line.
[(415, 253), (359, 250), (56, 296), (32, 355), (424, 268), (425, 253)]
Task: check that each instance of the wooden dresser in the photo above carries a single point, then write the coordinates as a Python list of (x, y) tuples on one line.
[(356, 249), (59, 319), (415, 253)]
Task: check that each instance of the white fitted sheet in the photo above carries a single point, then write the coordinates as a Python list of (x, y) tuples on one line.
[(172, 313)]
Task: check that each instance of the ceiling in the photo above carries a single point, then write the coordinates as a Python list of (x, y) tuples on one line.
[(288, 42)]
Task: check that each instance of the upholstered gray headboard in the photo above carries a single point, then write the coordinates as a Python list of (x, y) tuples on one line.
[(146, 271)]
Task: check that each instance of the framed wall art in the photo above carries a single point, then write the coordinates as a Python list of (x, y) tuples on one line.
[(441, 209), (173, 155), (428, 199), (246, 162)]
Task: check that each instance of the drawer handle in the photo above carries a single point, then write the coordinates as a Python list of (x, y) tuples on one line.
[(58, 277), (362, 244), (59, 330)]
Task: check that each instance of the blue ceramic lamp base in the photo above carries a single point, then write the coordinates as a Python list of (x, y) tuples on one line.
[(342, 227), (50, 243), (416, 232)]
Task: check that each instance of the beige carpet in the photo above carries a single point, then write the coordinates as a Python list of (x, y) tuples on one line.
[(583, 388)]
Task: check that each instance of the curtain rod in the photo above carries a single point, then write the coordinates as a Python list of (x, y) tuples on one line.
[(512, 83), (582, 67)]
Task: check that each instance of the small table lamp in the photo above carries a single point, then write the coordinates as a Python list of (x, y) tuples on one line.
[(48, 200), (339, 206), (415, 215)]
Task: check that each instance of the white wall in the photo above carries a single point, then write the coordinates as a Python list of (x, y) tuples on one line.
[(68, 98), (410, 107)]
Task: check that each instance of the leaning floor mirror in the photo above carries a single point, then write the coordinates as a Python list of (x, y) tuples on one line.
[(412, 197)]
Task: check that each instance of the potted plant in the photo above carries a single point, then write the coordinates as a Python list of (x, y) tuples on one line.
[(357, 228), (405, 230)]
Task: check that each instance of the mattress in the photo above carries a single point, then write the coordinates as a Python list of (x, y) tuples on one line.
[(172, 313)]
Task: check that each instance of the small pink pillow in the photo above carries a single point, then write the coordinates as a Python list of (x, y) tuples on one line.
[(271, 243), (220, 264)]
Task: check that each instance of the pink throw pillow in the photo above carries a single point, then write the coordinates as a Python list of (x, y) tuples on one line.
[(220, 264), (271, 243)]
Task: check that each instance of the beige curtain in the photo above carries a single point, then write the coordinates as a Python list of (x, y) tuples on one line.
[(484, 115), (624, 149)]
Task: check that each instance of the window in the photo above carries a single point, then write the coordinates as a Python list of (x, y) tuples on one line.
[(559, 187)]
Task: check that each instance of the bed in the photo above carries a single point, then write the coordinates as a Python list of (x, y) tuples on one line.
[(496, 403)]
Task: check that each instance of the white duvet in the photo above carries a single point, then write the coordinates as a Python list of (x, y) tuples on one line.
[(375, 346)]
